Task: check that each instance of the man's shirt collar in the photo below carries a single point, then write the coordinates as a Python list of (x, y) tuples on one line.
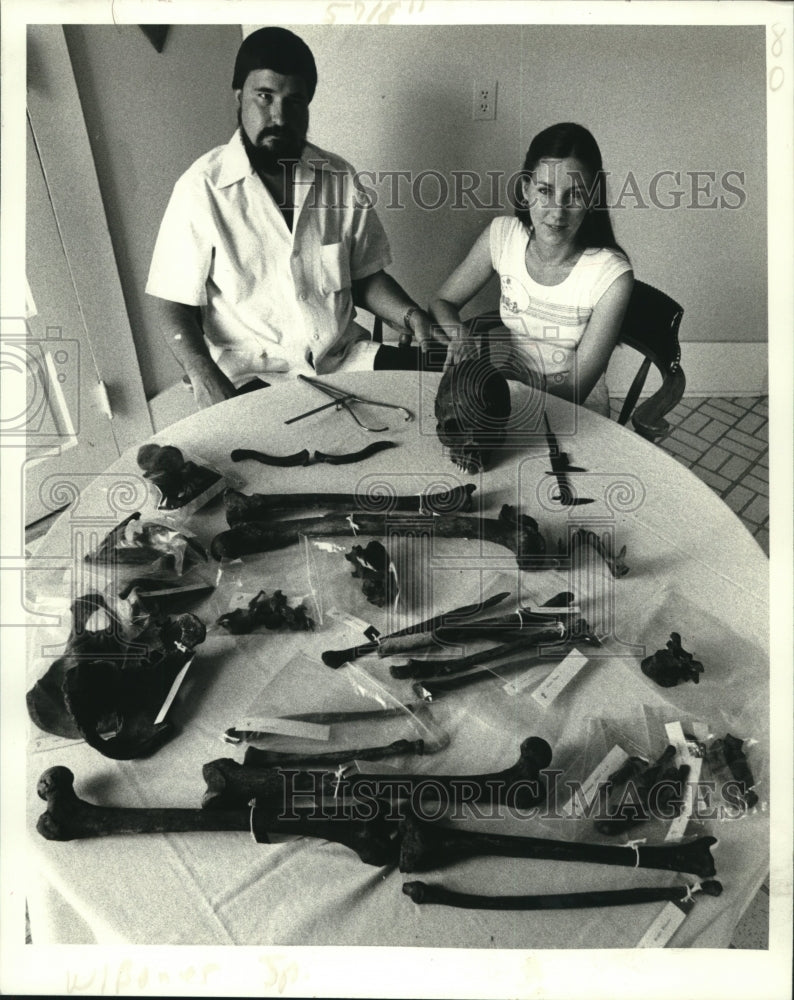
[(235, 165)]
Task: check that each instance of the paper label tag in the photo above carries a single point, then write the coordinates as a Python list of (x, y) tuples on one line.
[(663, 927), (559, 678), (283, 727), (169, 698), (241, 600), (352, 621), (376, 767), (684, 755), (616, 757)]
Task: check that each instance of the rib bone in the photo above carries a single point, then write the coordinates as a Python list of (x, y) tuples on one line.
[(427, 845), (258, 757), (421, 892)]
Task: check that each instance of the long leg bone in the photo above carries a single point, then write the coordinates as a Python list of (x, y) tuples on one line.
[(68, 817), (257, 757), (425, 669), (337, 657), (516, 532), (427, 845), (421, 892), (522, 785), (242, 507)]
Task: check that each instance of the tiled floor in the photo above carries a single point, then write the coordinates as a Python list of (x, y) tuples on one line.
[(725, 443)]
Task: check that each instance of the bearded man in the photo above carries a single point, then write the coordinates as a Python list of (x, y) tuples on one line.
[(268, 244)]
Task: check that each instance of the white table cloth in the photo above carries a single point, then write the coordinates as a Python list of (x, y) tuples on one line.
[(694, 569)]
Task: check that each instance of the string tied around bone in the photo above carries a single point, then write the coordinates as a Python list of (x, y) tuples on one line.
[(635, 846), (691, 890), (352, 523), (252, 806)]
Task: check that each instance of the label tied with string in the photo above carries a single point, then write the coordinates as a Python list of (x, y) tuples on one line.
[(669, 920)]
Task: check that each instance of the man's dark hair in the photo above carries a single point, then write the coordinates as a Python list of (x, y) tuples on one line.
[(279, 50)]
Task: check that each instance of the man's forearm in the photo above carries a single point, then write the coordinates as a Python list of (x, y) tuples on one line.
[(181, 327), (384, 297)]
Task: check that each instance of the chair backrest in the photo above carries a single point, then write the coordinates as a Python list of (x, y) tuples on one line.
[(650, 326)]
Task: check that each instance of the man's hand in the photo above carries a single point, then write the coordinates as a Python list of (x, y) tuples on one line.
[(421, 328), (209, 384)]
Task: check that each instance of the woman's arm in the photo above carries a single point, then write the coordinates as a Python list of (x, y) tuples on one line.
[(462, 285), (597, 343)]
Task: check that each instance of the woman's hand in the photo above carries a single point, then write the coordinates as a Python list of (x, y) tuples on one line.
[(462, 348)]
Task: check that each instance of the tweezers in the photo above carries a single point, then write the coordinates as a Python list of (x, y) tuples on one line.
[(343, 400)]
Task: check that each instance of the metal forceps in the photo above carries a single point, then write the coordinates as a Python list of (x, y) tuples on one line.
[(344, 400)]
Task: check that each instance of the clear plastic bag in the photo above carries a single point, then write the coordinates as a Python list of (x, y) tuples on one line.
[(308, 709)]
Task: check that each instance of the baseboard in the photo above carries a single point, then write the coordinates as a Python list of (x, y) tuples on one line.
[(711, 369)]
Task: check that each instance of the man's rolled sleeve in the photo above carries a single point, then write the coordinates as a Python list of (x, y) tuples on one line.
[(183, 253), (370, 250)]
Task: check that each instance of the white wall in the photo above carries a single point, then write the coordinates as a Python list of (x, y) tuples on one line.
[(656, 98)]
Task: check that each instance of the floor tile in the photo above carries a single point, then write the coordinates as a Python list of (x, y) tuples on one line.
[(735, 468), (752, 930), (751, 423), (738, 497), (712, 479), (752, 482), (679, 450), (694, 422), (714, 458), (757, 510), (761, 407), (738, 449), (712, 410), (714, 430), (746, 439), (723, 406), (692, 440)]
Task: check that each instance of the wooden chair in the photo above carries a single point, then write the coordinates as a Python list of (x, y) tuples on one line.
[(650, 327)]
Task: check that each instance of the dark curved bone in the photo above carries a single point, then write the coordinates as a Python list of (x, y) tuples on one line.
[(257, 757), (70, 818), (337, 657), (426, 669), (348, 458), (426, 845), (507, 626), (614, 560), (282, 461), (242, 507), (523, 785), (517, 532), (421, 892)]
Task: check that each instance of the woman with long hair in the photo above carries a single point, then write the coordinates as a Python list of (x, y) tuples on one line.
[(565, 282)]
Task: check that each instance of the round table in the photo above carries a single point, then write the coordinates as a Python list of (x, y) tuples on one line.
[(694, 569)]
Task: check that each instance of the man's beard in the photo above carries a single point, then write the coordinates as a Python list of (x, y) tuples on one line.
[(271, 160)]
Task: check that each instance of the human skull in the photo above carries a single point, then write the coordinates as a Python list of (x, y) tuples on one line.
[(472, 411)]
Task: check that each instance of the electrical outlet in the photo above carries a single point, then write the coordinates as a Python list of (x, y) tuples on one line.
[(484, 101)]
